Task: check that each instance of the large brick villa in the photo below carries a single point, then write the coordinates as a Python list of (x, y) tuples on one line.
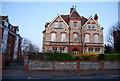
[(74, 34)]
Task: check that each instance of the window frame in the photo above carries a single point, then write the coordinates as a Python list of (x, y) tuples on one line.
[(90, 49), (63, 37), (75, 24), (53, 36), (75, 37), (87, 39), (55, 24), (60, 24), (54, 49), (96, 39)]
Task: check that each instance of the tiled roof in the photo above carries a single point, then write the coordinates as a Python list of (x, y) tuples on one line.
[(66, 18), (47, 24), (74, 14), (4, 17), (83, 20)]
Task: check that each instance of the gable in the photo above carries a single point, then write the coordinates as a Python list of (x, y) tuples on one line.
[(58, 20), (91, 21)]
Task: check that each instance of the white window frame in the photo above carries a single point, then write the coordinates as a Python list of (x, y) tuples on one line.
[(75, 37), (53, 36), (62, 49), (87, 38), (90, 49), (96, 38), (93, 25), (63, 37), (56, 24), (55, 49), (60, 24), (75, 24)]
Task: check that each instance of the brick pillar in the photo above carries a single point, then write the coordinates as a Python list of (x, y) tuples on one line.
[(25, 61), (78, 65), (102, 65)]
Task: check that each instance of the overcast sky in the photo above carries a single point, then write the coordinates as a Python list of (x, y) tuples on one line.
[(32, 16)]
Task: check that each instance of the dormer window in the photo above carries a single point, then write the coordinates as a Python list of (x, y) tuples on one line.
[(75, 24)]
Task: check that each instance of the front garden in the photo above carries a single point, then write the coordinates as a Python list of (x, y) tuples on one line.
[(69, 57)]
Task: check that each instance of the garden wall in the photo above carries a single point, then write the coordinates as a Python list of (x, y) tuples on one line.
[(72, 65)]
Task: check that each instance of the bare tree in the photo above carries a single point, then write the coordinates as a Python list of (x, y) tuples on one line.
[(28, 47), (114, 36)]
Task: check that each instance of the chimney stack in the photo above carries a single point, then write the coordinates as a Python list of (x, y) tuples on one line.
[(96, 17), (73, 8)]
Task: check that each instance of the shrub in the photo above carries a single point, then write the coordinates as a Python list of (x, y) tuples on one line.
[(60, 56), (87, 56), (101, 56), (112, 57)]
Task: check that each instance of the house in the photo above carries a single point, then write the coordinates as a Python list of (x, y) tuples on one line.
[(74, 34), (10, 40)]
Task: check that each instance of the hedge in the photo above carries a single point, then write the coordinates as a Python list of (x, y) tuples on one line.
[(112, 57), (60, 56)]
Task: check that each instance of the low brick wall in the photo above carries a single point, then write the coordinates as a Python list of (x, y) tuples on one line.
[(72, 65)]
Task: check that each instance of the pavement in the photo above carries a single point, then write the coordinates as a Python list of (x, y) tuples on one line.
[(17, 72)]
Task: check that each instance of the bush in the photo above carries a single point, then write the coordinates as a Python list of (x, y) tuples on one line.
[(87, 56), (60, 56), (101, 57), (112, 57)]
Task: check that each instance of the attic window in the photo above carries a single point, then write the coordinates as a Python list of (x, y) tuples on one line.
[(75, 24), (93, 26), (60, 24), (88, 26), (55, 24)]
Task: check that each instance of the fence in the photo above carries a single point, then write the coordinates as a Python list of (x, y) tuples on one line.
[(71, 65)]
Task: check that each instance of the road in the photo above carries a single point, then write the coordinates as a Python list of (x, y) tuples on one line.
[(16, 72)]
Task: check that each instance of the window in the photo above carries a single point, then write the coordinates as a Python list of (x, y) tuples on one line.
[(93, 26), (53, 36), (62, 50), (75, 51), (60, 24), (6, 23), (90, 49), (96, 38), (75, 37), (86, 37), (55, 24), (75, 24), (54, 49), (97, 49), (10, 27), (88, 26), (63, 37)]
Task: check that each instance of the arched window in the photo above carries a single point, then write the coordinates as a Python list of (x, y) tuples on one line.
[(63, 37), (53, 36), (75, 37), (96, 38), (86, 37)]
